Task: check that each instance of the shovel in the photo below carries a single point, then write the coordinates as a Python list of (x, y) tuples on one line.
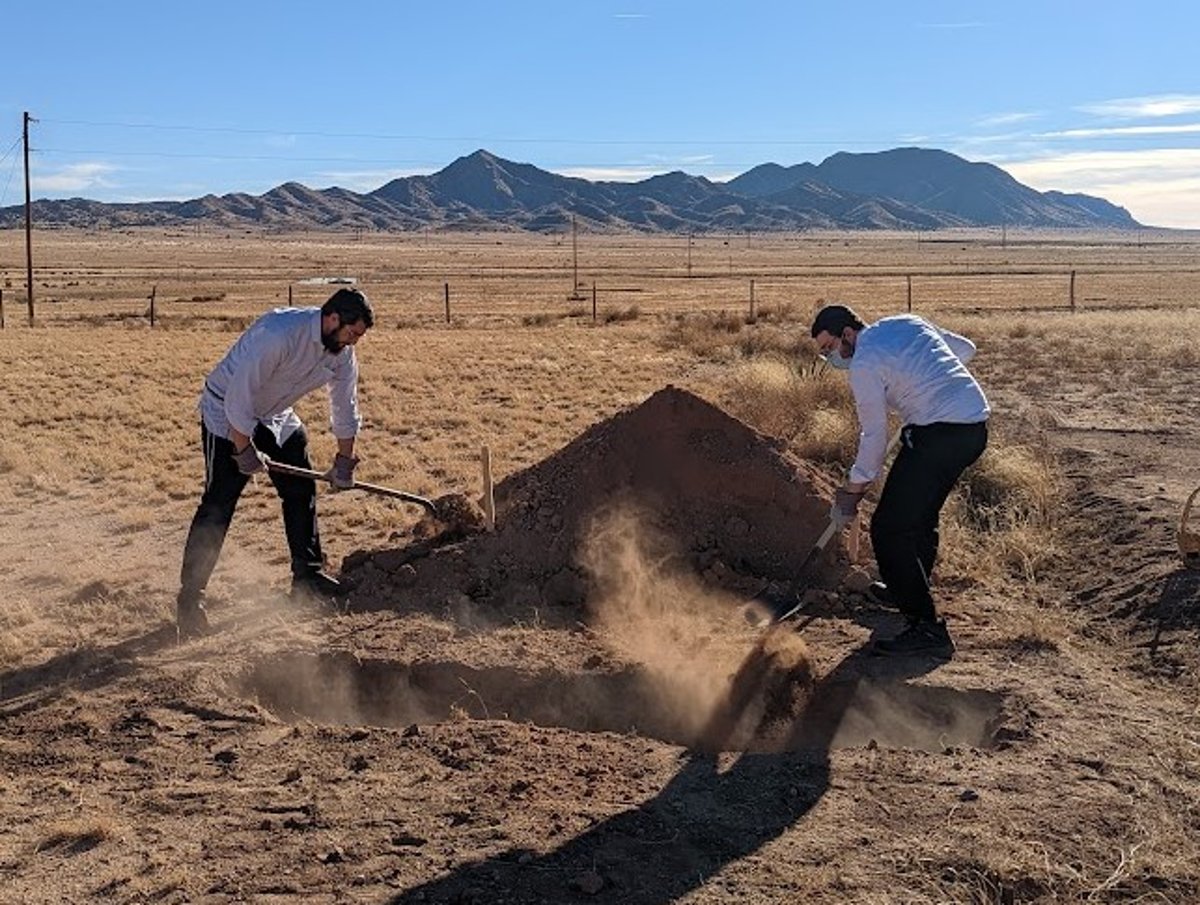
[(298, 472), (821, 543)]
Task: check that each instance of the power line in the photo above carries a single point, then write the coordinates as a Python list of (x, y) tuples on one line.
[(462, 138)]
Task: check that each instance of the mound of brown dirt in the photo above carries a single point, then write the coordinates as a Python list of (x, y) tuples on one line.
[(734, 505)]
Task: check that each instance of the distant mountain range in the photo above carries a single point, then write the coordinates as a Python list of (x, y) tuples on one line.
[(904, 188)]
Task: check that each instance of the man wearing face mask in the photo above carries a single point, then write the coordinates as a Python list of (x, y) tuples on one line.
[(907, 365), (247, 420)]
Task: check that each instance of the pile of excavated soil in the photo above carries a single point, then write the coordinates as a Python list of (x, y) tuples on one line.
[(733, 506)]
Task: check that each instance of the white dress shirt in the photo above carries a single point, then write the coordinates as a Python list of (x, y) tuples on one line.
[(908, 365), (279, 359)]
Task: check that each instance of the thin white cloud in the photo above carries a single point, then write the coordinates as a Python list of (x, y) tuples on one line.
[(611, 174), (1005, 119), (1181, 129), (1148, 106), (1159, 187), (362, 180), (74, 177)]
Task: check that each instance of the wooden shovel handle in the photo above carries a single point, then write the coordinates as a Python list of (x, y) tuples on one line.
[(298, 472)]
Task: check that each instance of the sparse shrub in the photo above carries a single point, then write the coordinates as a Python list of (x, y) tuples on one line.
[(617, 315), (811, 409), (1003, 514), (541, 319), (76, 835), (723, 336)]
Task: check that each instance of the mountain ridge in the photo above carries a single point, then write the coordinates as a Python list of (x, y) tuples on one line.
[(902, 188)]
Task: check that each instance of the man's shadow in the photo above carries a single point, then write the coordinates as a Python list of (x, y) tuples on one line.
[(700, 822), (82, 669)]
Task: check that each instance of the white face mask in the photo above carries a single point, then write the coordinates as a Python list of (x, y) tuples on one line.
[(834, 359)]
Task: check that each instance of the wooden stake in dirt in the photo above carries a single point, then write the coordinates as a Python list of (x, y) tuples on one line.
[(153, 293), (447, 303), (488, 503), (1, 309)]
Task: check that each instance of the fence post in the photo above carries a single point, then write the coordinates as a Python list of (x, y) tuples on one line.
[(752, 300), (909, 278), (593, 302), (447, 303), (289, 295), (1, 309), (1072, 290), (153, 293)]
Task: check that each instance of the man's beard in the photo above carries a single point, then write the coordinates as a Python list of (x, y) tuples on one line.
[(330, 342)]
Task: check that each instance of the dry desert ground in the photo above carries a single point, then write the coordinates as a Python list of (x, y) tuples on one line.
[(527, 714)]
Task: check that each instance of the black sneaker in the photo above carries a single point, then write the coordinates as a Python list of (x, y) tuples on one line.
[(191, 620), (317, 587), (881, 595), (921, 639)]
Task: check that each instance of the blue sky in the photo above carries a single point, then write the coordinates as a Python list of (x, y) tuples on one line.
[(141, 101)]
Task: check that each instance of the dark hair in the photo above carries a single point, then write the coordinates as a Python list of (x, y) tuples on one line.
[(351, 306), (834, 319)]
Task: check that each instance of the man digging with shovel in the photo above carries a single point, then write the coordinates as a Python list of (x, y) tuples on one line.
[(908, 365), (247, 421)]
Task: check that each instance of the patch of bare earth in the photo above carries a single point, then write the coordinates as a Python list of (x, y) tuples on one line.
[(528, 715)]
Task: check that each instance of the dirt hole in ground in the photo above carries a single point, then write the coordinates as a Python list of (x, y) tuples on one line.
[(340, 689), (900, 715)]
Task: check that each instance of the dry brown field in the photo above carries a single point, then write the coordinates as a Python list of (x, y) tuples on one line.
[(471, 729)]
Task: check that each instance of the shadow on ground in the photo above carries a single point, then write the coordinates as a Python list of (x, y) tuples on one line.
[(700, 822)]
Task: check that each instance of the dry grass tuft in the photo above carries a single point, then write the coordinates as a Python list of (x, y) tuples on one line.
[(1004, 515), (728, 336), (75, 836), (620, 315), (811, 409)]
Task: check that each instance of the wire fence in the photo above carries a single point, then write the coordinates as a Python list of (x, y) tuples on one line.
[(415, 280)]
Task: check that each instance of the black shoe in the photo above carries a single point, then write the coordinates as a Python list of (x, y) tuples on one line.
[(881, 595), (191, 620), (317, 587), (921, 639)]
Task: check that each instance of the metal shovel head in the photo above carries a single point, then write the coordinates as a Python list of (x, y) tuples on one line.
[(769, 607)]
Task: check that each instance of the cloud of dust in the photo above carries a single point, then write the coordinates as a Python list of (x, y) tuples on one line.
[(650, 609)]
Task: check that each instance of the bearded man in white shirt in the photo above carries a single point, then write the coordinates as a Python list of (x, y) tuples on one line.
[(247, 420), (907, 365)]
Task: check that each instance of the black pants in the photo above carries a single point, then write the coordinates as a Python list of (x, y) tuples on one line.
[(904, 529), (223, 485)]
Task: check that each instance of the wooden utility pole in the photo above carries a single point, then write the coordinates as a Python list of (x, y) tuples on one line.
[(28, 221)]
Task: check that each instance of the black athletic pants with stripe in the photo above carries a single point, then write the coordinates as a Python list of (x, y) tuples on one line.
[(904, 528), (223, 485)]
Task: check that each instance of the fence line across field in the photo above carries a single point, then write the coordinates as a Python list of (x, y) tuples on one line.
[(419, 302)]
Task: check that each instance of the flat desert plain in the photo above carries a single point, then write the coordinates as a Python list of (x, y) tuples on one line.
[(527, 714)]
